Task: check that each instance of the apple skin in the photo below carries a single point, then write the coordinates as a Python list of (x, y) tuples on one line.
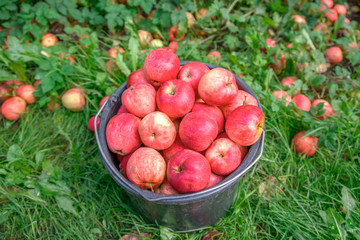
[(304, 145), (103, 100), (192, 73), (188, 171), (175, 98), (241, 98), (145, 38), (26, 93), (332, 15), (217, 87), (214, 56), (13, 84), (139, 99), (123, 164), (299, 19), (4, 93), (288, 81), (243, 149), (302, 102), (161, 65), (122, 109), (122, 134), (333, 55), (91, 124), (324, 4), (224, 156), (146, 168), (13, 108), (166, 188), (329, 112), (177, 146), (113, 52), (136, 77), (197, 131), (340, 9), (174, 45), (245, 125), (157, 131), (270, 42), (279, 95), (214, 179), (49, 40), (74, 100), (211, 111)]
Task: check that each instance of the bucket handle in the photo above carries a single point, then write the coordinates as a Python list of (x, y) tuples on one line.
[(156, 198)]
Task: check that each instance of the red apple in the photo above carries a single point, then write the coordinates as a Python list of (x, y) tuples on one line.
[(176, 123), (13, 108), (122, 109), (351, 47), (214, 56), (146, 168), (332, 15), (161, 65), (175, 98), (123, 164), (13, 84), (243, 149), (192, 73), (214, 179), (212, 112), (327, 107), (174, 45), (218, 87), (136, 77), (299, 19), (26, 93), (333, 55), (270, 43), (173, 50), (279, 95), (113, 52), (166, 188), (302, 102), (304, 145), (139, 99), (197, 131), (288, 81), (49, 40), (188, 171), (347, 20), (4, 93), (241, 98), (91, 123), (103, 100), (340, 9), (326, 4), (122, 134), (157, 131), (224, 156), (74, 99), (177, 146), (70, 58), (245, 125)]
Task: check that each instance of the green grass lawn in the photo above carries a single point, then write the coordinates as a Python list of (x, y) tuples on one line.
[(53, 184)]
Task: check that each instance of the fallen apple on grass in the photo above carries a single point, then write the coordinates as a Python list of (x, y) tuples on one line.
[(304, 145), (26, 93), (91, 123), (74, 100), (13, 108)]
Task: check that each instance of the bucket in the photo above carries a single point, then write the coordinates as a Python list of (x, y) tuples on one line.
[(183, 212)]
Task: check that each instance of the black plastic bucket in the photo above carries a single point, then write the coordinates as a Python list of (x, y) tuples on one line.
[(184, 212)]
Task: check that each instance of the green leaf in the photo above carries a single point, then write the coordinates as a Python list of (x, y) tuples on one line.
[(134, 50), (14, 154), (66, 204), (347, 200), (317, 80), (47, 84), (166, 234), (122, 65), (4, 215)]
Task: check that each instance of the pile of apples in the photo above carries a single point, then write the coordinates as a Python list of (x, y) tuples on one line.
[(182, 129)]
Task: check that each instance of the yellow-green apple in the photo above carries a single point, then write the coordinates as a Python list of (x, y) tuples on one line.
[(214, 179), (74, 100), (161, 65), (302, 102), (245, 125), (241, 98), (333, 55), (136, 77), (197, 131), (192, 73), (217, 87), (327, 107), (122, 135), (13, 108), (139, 99), (188, 171), (224, 156), (146, 168), (166, 188), (304, 145), (157, 131), (26, 93), (177, 146), (175, 98), (91, 123), (212, 111)]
